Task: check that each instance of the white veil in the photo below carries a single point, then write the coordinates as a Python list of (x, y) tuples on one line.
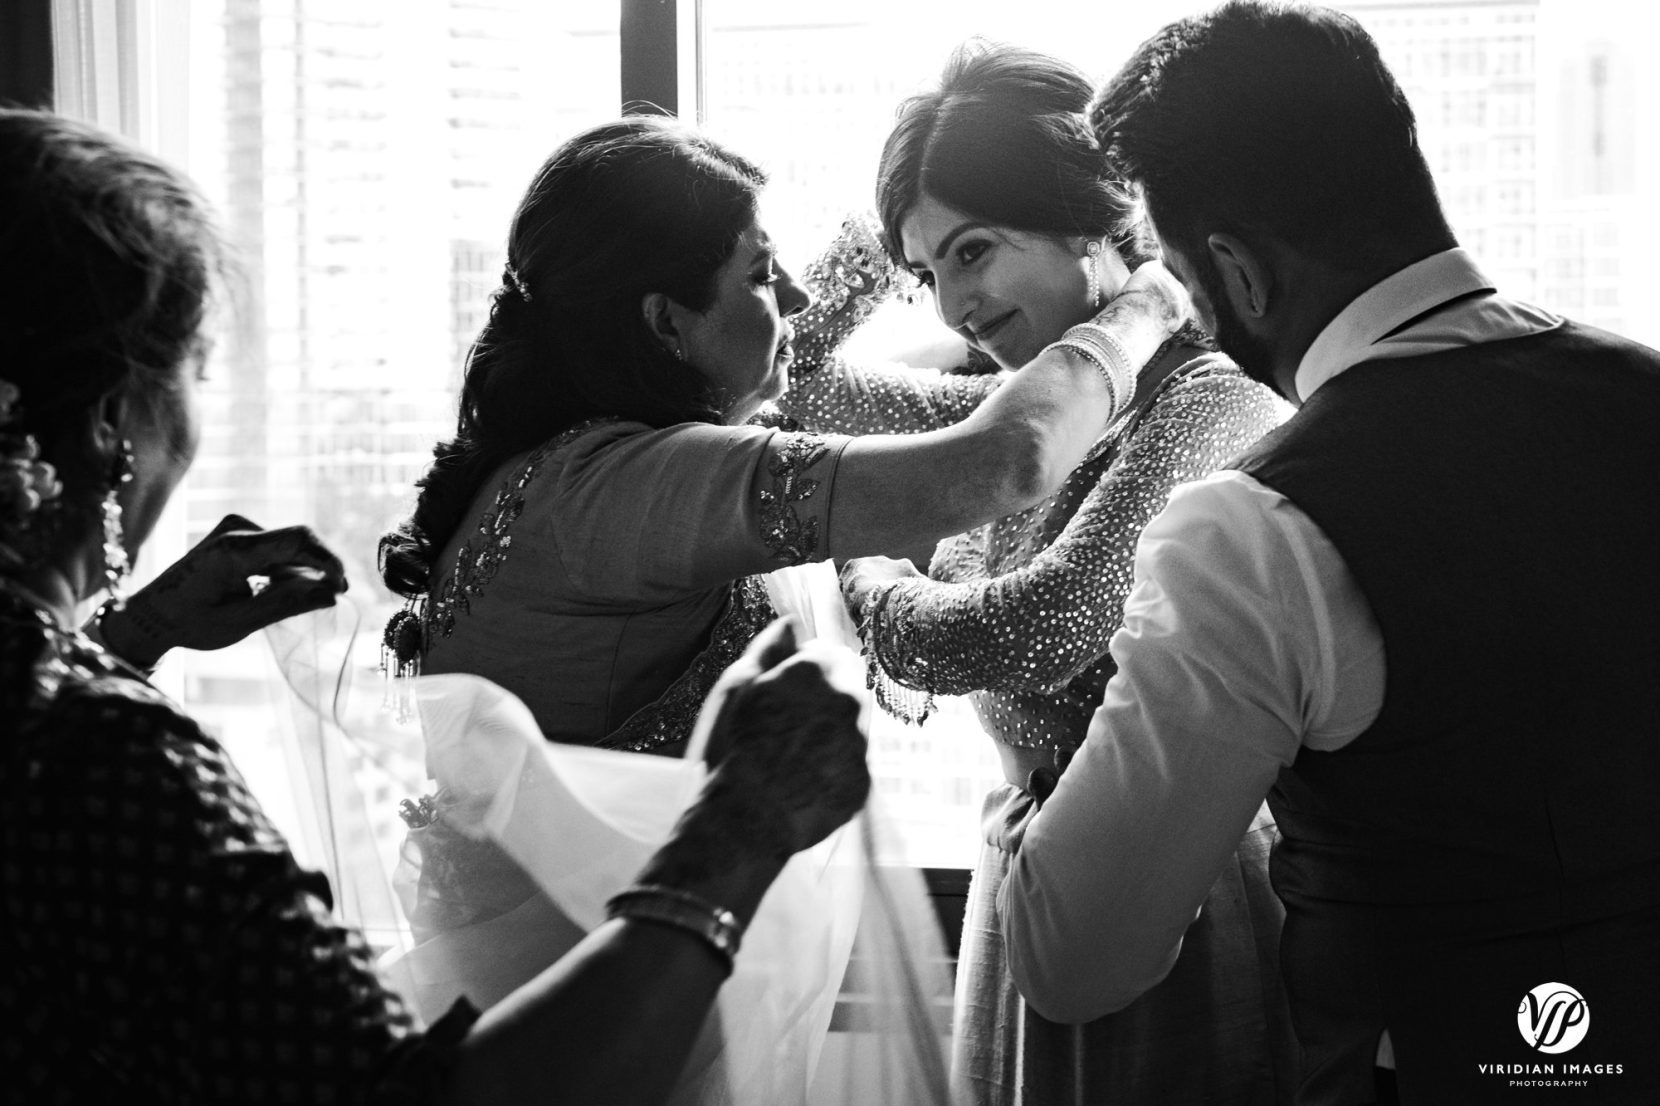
[(578, 824)]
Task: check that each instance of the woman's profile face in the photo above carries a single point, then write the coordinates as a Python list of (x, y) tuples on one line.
[(741, 343), (1008, 292)]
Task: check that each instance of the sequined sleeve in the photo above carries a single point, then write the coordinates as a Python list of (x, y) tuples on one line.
[(1042, 624), (827, 393), (164, 934), (843, 398)]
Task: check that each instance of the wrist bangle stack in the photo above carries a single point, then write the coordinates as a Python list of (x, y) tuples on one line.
[(887, 642), (654, 903), (1097, 345)]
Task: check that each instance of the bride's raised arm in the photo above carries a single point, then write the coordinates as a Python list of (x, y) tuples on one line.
[(832, 393)]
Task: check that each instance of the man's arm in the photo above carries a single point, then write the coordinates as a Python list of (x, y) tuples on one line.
[(1243, 638)]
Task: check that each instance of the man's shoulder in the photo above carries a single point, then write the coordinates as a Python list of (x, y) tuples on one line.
[(1227, 507)]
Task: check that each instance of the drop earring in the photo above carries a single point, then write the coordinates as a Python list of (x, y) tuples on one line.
[(116, 564), (1093, 251)]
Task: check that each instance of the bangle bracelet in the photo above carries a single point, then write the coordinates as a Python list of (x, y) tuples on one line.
[(1099, 362), (652, 902), (1111, 352), (1110, 340)]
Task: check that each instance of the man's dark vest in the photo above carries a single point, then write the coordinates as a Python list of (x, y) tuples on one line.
[(1498, 826)]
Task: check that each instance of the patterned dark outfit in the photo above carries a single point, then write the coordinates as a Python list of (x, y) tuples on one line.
[(161, 943), (1017, 616)]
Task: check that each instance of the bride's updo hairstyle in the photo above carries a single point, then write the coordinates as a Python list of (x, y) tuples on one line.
[(1005, 140), (639, 205)]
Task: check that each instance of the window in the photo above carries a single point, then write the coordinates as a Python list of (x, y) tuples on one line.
[(367, 158)]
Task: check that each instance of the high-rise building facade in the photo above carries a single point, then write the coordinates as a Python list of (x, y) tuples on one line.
[(1531, 114)]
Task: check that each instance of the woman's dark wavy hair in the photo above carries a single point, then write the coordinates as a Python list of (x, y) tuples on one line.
[(639, 205), (1005, 140), (111, 262)]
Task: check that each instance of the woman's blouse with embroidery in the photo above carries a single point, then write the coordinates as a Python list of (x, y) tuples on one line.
[(161, 942), (1019, 612), (599, 571)]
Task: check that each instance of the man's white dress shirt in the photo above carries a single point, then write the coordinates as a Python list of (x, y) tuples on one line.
[(1244, 639)]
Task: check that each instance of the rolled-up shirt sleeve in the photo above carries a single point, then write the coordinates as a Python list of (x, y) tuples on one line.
[(1240, 626)]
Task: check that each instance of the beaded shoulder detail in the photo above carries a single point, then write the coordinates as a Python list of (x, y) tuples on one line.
[(788, 537), (669, 718), (483, 554)]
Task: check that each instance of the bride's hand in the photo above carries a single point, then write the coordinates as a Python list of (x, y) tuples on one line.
[(863, 576)]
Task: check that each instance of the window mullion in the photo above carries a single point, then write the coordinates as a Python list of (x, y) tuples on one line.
[(662, 56)]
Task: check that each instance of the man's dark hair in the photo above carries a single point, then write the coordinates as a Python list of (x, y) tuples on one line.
[(1275, 119)]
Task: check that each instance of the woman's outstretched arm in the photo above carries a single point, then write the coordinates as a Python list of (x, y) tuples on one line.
[(951, 637), (828, 393)]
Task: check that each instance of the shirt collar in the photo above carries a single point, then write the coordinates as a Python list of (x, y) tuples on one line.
[(1392, 301)]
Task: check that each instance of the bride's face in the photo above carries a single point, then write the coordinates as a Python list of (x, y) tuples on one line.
[(1008, 292)]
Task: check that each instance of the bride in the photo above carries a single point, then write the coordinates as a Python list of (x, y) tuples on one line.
[(992, 191), (593, 536)]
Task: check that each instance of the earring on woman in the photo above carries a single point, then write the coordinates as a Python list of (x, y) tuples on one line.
[(116, 564), (1093, 250)]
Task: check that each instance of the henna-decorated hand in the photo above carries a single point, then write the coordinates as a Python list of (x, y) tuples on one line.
[(791, 768), (787, 721), (209, 598), (1158, 289)]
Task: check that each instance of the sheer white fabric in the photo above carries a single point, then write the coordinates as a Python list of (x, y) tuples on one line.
[(578, 823)]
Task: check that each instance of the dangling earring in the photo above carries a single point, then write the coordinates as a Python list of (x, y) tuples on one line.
[(1094, 252), (116, 564)]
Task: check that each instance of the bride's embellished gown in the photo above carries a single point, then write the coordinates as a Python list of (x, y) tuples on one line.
[(1017, 615)]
